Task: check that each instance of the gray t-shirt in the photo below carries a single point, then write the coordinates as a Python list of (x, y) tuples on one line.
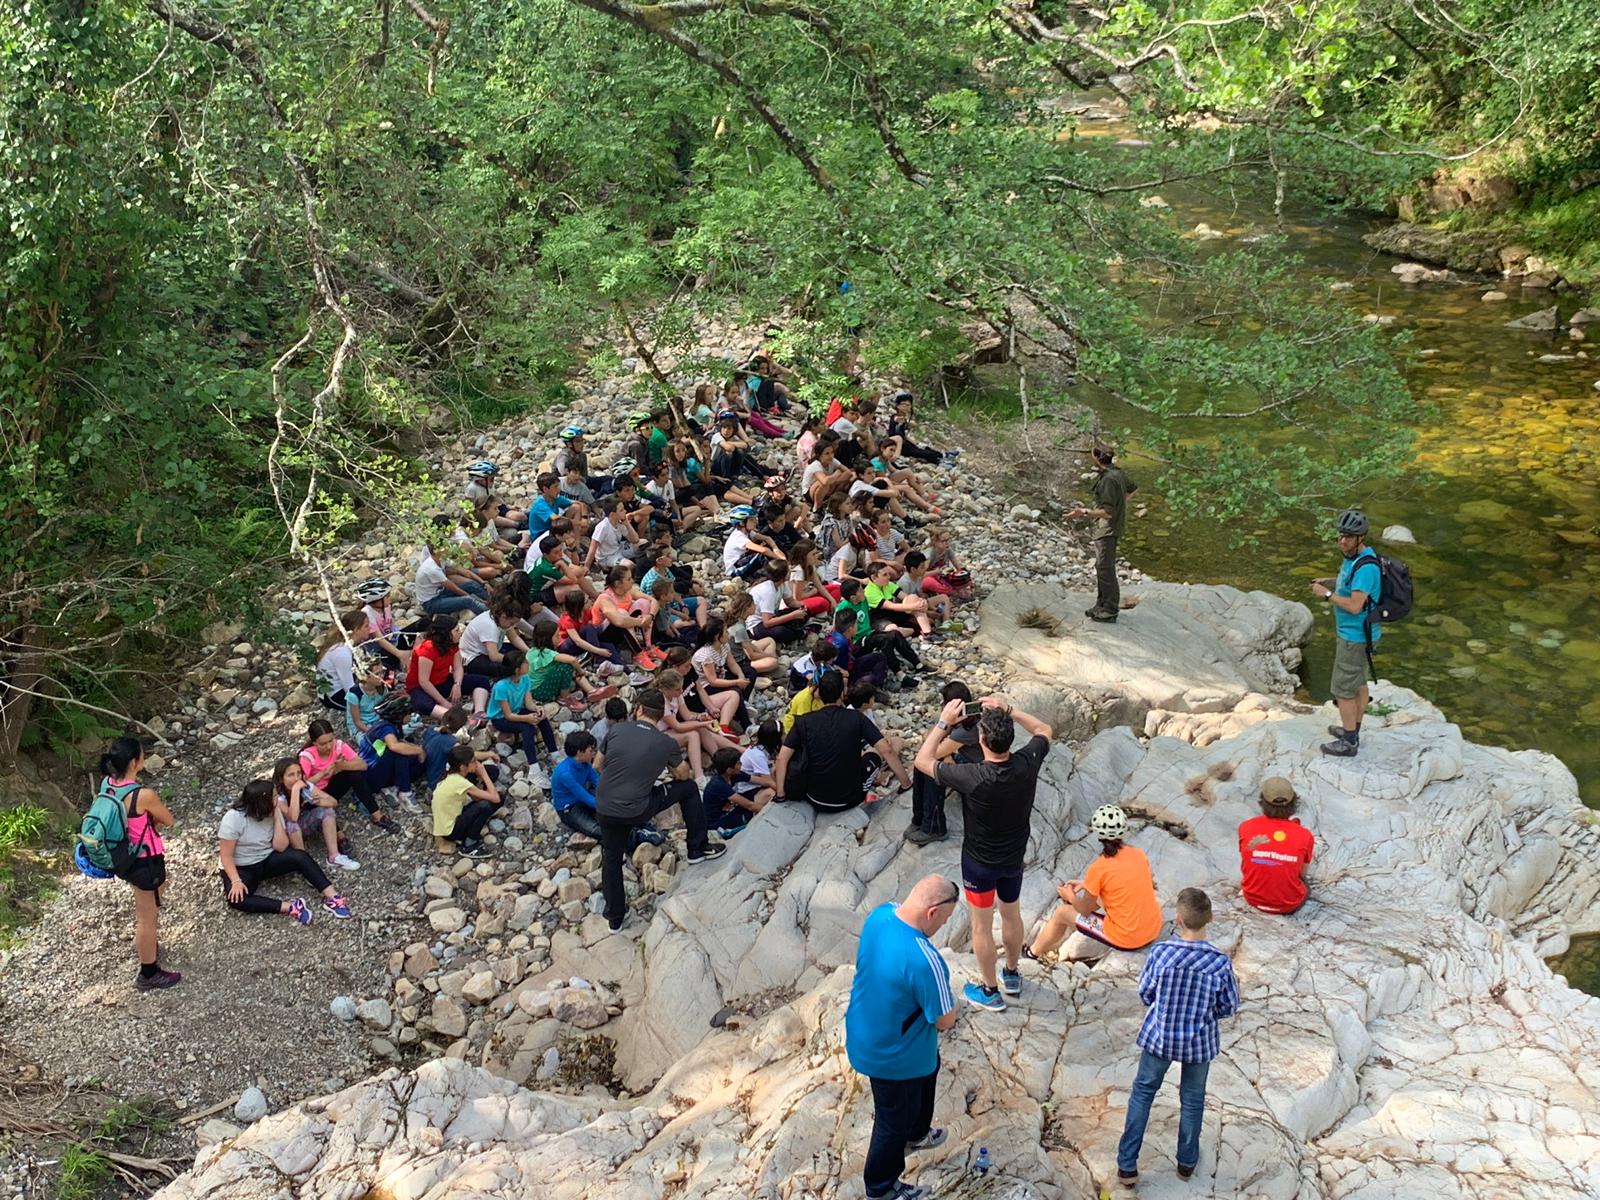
[(635, 755), (254, 837)]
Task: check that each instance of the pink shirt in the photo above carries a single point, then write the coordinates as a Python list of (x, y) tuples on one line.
[(141, 829), (317, 769)]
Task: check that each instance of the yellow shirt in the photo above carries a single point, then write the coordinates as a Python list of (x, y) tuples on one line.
[(805, 700), (449, 798)]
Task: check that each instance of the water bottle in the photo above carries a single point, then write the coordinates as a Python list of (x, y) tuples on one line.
[(981, 1167)]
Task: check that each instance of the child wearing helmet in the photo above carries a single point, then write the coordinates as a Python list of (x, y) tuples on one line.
[(1114, 905), (479, 493), (745, 552), (386, 638)]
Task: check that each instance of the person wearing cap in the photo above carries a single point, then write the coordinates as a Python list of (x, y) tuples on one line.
[(1274, 850), (900, 1002), (1351, 593), (1111, 491), (637, 444), (1114, 905), (1187, 984)]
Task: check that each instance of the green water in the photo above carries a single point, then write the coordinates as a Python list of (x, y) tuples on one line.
[(1581, 964), (1503, 498)]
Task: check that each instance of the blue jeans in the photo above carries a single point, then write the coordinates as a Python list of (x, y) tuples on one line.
[(448, 602), (1191, 1108)]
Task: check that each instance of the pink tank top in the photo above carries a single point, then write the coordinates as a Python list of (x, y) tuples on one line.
[(141, 829)]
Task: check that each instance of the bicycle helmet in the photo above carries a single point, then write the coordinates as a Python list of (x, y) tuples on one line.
[(369, 590), (638, 417), (1352, 521), (862, 537), (773, 483), (727, 414), (740, 513), (481, 469), (1109, 821), (623, 466), (570, 432), (394, 708)]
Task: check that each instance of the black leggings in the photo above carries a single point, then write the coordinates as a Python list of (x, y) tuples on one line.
[(356, 784), (469, 825), (892, 644), (279, 862), (921, 453)]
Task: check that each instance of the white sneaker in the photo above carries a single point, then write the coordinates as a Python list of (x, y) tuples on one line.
[(536, 776), (344, 862)]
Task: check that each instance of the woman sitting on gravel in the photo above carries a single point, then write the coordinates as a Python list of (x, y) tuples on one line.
[(483, 640), (253, 844), (436, 676), (334, 767), (143, 814), (306, 810), (626, 617), (336, 657)]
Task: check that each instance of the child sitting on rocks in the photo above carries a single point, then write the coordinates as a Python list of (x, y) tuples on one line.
[(731, 797), (462, 804), (305, 809)]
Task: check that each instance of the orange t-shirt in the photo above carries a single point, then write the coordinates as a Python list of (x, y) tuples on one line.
[(1127, 894)]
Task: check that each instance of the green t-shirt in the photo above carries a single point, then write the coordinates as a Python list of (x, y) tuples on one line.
[(863, 618), (876, 594), (658, 444), (542, 572)]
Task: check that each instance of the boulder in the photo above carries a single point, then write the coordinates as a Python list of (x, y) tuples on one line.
[(1546, 320), (578, 1006), (448, 1017), (1398, 534), (1460, 251), (251, 1105), (375, 1013), (447, 920), (1584, 316)]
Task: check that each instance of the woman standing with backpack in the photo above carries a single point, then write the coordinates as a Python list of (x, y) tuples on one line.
[(143, 814)]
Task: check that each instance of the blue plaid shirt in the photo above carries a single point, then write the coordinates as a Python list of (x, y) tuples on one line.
[(1187, 986)]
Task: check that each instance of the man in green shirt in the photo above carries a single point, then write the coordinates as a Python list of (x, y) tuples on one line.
[(1110, 513)]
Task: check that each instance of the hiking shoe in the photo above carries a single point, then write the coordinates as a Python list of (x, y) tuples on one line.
[(1185, 1172), (921, 837), (1096, 614), (344, 862), (712, 850), (1127, 1179), (981, 997), (1341, 748), (336, 906), (1339, 731), (908, 1191), (931, 1140), (649, 834), (161, 979), (1010, 981), (299, 911)]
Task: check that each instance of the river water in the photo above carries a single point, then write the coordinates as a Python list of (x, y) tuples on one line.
[(1502, 495)]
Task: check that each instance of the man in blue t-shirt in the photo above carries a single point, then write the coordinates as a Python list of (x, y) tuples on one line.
[(1352, 594), (899, 1004)]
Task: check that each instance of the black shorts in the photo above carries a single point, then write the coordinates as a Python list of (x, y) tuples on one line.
[(982, 884), (147, 873)]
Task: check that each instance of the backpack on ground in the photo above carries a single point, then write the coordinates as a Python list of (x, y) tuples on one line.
[(103, 833)]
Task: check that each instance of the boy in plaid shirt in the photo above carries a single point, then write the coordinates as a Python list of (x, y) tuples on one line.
[(1187, 983)]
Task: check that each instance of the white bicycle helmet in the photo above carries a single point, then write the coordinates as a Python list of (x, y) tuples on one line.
[(481, 469), (372, 589), (623, 466), (1109, 821)]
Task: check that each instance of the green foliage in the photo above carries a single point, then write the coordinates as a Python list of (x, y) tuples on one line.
[(85, 1173), (20, 824)]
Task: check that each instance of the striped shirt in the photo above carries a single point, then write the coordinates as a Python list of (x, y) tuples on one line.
[(1187, 986)]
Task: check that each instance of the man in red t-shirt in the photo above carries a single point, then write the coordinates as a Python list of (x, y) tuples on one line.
[(1274, 849)]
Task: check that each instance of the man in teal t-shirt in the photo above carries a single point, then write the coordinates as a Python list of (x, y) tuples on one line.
[(899, 1004), (1352, 593)]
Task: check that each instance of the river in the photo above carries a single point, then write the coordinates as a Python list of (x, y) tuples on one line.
[(1502, 494)]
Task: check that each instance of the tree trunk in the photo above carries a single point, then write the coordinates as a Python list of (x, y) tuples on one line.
[(20, 659)]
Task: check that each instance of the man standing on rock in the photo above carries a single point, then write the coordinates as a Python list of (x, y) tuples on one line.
[(899, 1004), (997, 810), (1110, 513), (632, 758), (1356, 588)]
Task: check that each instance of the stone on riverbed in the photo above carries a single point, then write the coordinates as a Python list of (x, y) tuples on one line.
[(1546, 320)]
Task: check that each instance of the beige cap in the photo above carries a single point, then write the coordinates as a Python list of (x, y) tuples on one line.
[(1277, 790)]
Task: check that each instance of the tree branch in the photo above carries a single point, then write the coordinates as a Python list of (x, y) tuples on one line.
[(661, 27), (441, 28)]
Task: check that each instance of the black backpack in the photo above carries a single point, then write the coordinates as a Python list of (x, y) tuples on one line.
[(1394, 598)]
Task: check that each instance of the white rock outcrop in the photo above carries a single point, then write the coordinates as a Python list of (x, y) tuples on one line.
[(1178, 648), (1400, 1037)]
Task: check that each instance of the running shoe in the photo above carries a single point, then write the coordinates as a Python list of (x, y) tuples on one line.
[(408, 801), (476, 722), (336, 906), (1010, 981), (344, 862), (712, 850), (299, 911), (473, 850), (600, 694), (931, 1140), (648, 834), (161, 979), (639, 678), (981, 997)]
